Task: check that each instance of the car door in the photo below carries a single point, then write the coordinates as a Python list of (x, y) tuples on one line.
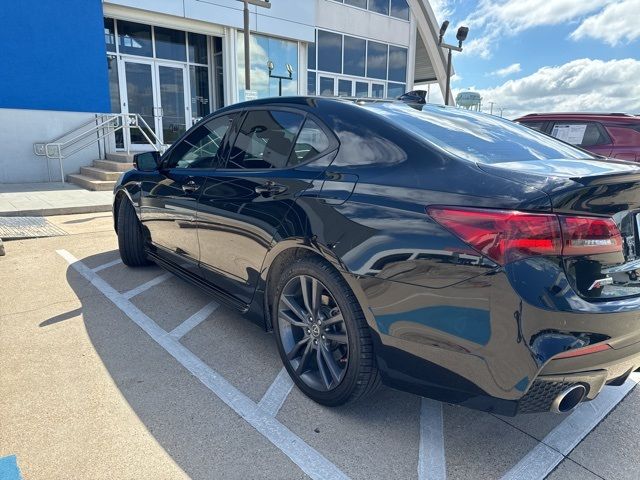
[(244, 204), (169, 203)]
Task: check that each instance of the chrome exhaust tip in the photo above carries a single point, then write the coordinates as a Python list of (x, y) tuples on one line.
[(569, 399)]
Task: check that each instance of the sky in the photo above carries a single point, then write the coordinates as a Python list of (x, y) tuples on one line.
[(546, 55)]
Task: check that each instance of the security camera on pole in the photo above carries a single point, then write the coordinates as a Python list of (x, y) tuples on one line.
[(461, 36)]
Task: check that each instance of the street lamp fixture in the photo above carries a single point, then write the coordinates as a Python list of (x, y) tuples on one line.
[(289, 68), (461, 36)]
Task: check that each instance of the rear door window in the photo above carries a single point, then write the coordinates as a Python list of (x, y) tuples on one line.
[(583, 134), (265, 140), (538, 126)]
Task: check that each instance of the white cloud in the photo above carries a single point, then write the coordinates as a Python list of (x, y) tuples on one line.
[(494, 19), (442, 9), (506, 71), (615, 24), (580, 85)]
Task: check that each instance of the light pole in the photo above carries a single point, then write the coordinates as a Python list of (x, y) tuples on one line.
[(247, 57), (461, 36), (270, 66)]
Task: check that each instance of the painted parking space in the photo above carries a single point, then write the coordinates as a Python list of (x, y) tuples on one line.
[(246, 420)]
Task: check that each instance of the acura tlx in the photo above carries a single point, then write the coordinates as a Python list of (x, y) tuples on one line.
[(444, 252)]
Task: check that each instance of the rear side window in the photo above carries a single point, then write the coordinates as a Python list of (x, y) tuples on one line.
[(312, 141), (584, 134), (265, 140)]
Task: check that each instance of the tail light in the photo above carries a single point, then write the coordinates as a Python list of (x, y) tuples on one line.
[(505, 235)]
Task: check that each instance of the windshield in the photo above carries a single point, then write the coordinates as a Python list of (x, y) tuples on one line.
[(475, 136)]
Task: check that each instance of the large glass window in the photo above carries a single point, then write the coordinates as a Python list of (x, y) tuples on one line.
[(379, 6), (311, 56), (357, 3), (265, 140), (170, 44), (329, 51), (377, 60), (135, 38), (199, 80), (326, 86), (400, 9), (198, 48), (311, 83), (263, 50), (354, 56), (397, 64), (110, 34), (394, 90), (344, 88), (362, 61), (201, 148)]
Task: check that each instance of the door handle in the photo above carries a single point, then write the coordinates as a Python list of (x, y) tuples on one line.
[(190, 186), (269, 189)]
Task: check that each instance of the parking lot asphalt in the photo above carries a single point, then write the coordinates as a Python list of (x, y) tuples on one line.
[(112, 372)]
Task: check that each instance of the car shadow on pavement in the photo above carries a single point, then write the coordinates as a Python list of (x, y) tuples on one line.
[(202, 435)]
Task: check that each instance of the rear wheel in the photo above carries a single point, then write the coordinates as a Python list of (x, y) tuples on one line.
[(130, 237), (323, 338)]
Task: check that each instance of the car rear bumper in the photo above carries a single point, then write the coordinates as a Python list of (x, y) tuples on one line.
[(479, 344)]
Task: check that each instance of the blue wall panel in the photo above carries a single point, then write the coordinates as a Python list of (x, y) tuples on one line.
[(52, 55)]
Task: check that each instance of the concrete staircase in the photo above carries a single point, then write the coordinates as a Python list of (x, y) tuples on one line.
[(103, 174)]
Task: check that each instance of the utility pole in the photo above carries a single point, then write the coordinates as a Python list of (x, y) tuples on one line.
[(247, 56), (491, 110)]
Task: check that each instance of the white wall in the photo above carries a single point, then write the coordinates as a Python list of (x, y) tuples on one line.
[(286, 18), (22, 128), (362, 23)]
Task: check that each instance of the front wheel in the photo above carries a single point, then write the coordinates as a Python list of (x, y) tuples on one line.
[(322, 336), (130, 237)]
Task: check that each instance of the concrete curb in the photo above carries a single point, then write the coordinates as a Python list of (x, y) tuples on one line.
[(47, 212)]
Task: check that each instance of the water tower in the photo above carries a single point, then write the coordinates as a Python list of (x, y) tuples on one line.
[(469, 100)]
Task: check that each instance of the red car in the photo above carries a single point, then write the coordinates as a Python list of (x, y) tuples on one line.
[(615, 135)]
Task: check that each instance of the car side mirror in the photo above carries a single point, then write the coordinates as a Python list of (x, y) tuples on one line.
[(147, 161)]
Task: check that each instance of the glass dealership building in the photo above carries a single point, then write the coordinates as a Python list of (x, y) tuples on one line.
[(175, 61)]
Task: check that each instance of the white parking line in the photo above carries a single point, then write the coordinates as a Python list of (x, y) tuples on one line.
[(307, 458), (431, 459), (146, 286), (277, 393), (193, 321), (559, 443), (107, 265)]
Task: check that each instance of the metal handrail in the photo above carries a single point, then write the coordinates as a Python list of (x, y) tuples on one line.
[(109, 124)]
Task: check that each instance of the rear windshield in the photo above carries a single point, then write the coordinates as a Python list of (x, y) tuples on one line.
[(475, 136)]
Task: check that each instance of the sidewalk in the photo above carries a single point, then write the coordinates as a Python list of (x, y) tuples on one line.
[(40, 199)]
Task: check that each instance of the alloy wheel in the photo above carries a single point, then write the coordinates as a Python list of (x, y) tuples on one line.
[(313, 333)]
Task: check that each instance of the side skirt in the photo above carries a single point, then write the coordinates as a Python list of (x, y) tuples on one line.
[(220, 295)]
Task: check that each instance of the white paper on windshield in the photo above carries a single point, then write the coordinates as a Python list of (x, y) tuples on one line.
[(573, 134)]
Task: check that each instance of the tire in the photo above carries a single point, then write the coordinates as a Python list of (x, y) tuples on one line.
[(350, 367), (130, 237)]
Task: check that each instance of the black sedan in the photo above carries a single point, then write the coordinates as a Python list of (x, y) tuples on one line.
[(452, 254)]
